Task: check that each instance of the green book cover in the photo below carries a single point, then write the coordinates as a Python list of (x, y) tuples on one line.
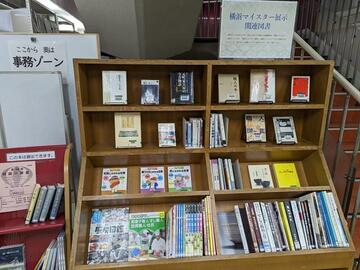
[(147, 236)]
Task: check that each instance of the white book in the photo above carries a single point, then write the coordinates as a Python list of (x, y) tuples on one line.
[(48, 200), (226, 123), (216, 138), (302, 219), (299, 227), (260, 176), (232, 177), (114, 87), (212, 131), (215, 174), (268, 227), (274, 227), (262, 85), (227, 174), (127, 130), (222, 130), (222, 174), (260, 220), (241, 229), (167, 134)]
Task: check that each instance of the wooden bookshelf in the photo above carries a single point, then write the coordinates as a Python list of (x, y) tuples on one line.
[(98, 151)]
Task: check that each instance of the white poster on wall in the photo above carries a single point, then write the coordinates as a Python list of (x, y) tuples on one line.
[(256, 29)]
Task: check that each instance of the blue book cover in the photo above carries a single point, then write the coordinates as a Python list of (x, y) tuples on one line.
[(328, 215), (326, 220), (189, 134)]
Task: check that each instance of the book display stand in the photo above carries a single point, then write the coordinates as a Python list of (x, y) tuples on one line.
[(98, 146)]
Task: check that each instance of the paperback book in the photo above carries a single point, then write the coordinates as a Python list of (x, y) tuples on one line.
[(219, 130), (152, 179), (150, 92), (193, 132), (228, 88), (127, 130), (284, 130), (114, 180), (286, 175), (260, 176), (255, 128), (179, 178), (182, 87), (114, 87), (262, 86), (300, 89), (147, 236), (167, 136)]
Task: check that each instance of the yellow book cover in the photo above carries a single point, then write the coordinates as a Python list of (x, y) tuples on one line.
[(32, 203), (286, 175), (286, 225), (209, 219)]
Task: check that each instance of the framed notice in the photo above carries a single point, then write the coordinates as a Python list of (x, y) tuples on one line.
[(256, 29)]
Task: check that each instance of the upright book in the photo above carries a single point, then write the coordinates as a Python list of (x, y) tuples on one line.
[(167, 135), (260, 176), (152, 179), (262, 86), (286, 175), (228, 88), (150, 92), (300, 89), (182, 87), (114, 180), (128, 130), (114, 87), (255, 128), (179, 178), (284, 130)]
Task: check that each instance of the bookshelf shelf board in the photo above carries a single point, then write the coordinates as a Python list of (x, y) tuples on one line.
[(17, 225), (142, 198), (268, 193), (142, 108), (276, 106)]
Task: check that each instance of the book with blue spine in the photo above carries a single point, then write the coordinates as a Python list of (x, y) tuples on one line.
[(328, 218), (326, 222)]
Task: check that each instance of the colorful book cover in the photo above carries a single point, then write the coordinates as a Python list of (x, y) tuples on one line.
[(179, 178), (114, 180), (193, 237), (147, 236), (109, 236), (286, 175), (300, 88), (262, 85), (152, 179), (167, 134), (255, 128)]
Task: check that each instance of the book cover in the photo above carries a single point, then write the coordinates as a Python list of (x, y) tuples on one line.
[(281, 226), (286, 175), (114, 87), (39, 204), (179, 178), (57, 200), (292, 225), (300, 88), (262, 85), (260, 176), (284, 130), (230, 237), (17, 181), (127, 130), (237, 174), (167, 135), (241, 226), (298, 224), (262, 228), (34, 197), (182, 87), (113, 181), (146, 236), (152, 179), (255, 128), (48, 200), (228, 88), (13, 257), (268, 228), (286, 224), (150, 92), (251, 227), (108, 236)]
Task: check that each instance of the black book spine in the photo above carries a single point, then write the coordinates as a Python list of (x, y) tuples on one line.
[(247, 230), (256, 228), (292, 225)]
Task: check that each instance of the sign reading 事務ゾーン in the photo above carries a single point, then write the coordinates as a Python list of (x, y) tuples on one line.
[(256, 29)]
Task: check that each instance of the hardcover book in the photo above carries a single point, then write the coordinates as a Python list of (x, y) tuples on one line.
[(109, 236), (114, 180), (262, 85), (179, 178), (284, 130), (48, 200), (182, 87), (32, 203), (260, 176), (57, 200), (300, 88), (150, 92), (286, 175), (114, 87), (128, 130), (146, 236), (12, 257), (255, 128), (39, 204), (152, 179), (167, 136), (228, 88)]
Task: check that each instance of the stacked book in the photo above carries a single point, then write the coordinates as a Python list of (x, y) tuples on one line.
[(225, 174), (309, 222), (219, 125), (45, 203), (193, 132), (54, 256)]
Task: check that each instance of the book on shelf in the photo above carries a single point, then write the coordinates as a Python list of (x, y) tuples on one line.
[(152, 179), (225, 174), (108, 236), (284, 128), (286, 175), (114, 87), (127, 130), (182, 87), (13, 257), (179, 178), (33, 201), (260, 176), (228, 88), (146, 236), (150, 92), (300, 89), (219, 126), (114, 181), (262, 86), (193, 132), (167, 135), (48, 200), (255, 128), (39, 204), (57, 200)]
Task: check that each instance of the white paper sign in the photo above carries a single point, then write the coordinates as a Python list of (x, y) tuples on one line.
[(256, 29), (30, 156), (37, 56)]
